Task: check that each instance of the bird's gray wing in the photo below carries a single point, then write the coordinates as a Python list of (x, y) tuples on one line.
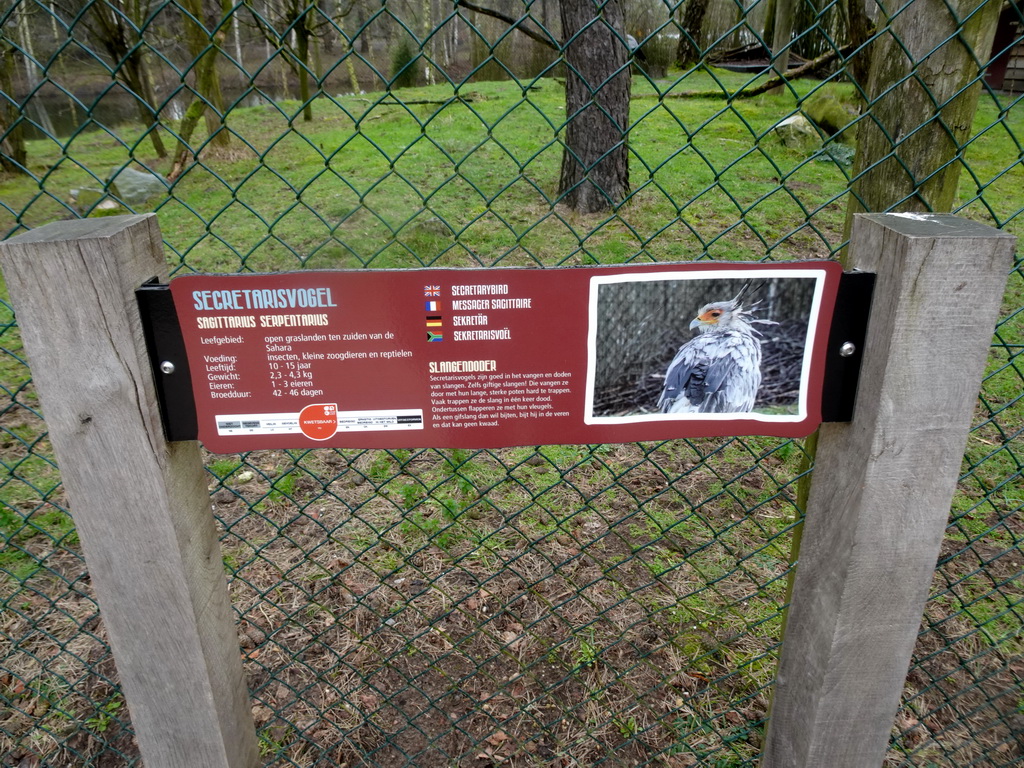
[(709, 370), (686, 374)]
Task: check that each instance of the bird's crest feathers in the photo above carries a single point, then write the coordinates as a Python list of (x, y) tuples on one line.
[(733, 312)]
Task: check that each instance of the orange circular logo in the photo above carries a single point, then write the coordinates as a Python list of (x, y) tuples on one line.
[(319, 422)]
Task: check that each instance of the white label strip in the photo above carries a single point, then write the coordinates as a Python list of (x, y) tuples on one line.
[(348, 421)]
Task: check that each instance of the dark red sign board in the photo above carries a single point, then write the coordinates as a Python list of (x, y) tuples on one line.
[(489, 358)]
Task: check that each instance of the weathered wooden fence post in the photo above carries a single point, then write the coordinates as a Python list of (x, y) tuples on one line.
[(140, 504), (883, 485)]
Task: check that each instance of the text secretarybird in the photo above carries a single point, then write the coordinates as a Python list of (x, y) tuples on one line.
[(719, 371)]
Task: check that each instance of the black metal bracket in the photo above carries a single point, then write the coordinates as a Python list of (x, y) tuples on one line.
[(846, 345), (170, 362)]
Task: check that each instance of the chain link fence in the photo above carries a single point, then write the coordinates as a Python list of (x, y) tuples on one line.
[(554, 606)]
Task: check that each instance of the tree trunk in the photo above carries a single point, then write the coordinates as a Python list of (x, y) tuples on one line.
[(212, 93), (302, 54), (33, 76), (738, 15), (299, 21), (691, 43), (207, 86), (782, 36), (595, 167), (861, 28), (237, 37), (908, 151), (350, 64), (198, 22), (768, 30), (112, 30), (428, 26), (188, 126), (12, 145), (136, 78)]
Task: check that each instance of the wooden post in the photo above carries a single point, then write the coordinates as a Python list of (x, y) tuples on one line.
[(882, 487), (140, 504)]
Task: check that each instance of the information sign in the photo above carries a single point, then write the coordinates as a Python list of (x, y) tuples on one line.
[(502, 357)]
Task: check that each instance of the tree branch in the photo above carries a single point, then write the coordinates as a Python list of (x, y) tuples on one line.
[(800, 71), (514, 23), (277, 41)]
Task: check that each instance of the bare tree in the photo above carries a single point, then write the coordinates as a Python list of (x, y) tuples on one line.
[(339, 16), (119, 28), (595, 157), (691, 41), (292, 28), (782, 36), (205, 31), (208, 38), (12, 141)]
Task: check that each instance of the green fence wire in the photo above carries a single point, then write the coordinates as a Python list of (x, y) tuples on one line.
[(554, 606)]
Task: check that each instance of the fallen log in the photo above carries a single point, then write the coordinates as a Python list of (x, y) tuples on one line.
[(757, 90)]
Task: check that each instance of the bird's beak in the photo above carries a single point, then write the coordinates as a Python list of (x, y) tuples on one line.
[(695, 323)]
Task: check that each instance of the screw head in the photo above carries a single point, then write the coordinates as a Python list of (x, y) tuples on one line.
[(167, 366), (847, 349)]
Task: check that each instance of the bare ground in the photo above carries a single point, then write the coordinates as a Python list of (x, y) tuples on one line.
[(554, 607)]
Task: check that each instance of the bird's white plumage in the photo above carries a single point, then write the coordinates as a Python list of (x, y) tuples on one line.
[(719, 371)]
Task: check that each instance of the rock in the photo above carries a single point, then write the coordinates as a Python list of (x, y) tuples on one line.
[(94, 202), (224, 496), (136, 187), (828, 113), (797, 132), (130, 187), (254, 635)]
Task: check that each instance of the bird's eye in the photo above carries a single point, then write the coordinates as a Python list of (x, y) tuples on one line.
[(716, 313)]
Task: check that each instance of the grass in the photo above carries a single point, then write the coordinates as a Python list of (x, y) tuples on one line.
[(392, 186), (588, 602)]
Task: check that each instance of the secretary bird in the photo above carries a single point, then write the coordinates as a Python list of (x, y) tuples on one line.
[(718, 371)]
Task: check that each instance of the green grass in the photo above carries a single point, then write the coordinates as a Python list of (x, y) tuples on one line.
[(222, 468), (379, 184), (386, 186)]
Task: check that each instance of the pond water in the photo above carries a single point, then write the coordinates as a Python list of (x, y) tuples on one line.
[(55, 113)]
